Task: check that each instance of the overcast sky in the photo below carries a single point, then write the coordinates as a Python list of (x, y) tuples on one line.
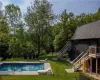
[(75, 6)]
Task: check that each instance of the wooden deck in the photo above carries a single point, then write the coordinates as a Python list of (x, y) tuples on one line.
[(95, 55), (93, 52)]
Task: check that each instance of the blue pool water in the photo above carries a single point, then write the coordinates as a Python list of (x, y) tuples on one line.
[(21, 66)]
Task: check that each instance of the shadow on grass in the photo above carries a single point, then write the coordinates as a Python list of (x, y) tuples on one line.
[(1, 78), (83, 77)]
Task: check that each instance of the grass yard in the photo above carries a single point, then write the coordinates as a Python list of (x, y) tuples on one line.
[(58, 68)]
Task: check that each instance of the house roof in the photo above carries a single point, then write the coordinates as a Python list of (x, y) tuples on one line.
[(87, 31)]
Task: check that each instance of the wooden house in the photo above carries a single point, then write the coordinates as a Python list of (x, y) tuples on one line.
[(85, 48)]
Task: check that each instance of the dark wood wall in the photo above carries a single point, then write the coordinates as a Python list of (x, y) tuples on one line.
[(79, 46), (98, 44)]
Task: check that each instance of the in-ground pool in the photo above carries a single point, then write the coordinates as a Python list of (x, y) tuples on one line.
[(21, 66)]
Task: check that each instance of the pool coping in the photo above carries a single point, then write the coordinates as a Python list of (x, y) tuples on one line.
[(46, 67)]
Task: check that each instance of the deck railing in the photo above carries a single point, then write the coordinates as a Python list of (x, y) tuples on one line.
[(92, 50), (63, 50), (77, 58), (78, 63)]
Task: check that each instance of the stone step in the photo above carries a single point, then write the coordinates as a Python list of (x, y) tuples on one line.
[(70, 70)]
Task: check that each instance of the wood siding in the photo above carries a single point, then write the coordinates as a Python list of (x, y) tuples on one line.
[(79, 46)]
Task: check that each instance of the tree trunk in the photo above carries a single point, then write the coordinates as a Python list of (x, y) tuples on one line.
[(39, 45)]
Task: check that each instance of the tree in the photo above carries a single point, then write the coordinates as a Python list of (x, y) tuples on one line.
[(4, 37), (39, 17), (63, 29), (13, 16)]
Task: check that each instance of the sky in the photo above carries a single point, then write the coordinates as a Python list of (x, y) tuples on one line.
[(75, 6)]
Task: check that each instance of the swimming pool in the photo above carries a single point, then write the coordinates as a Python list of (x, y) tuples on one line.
[(21, 66)]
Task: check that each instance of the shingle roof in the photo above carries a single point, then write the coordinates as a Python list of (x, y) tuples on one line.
[(87, 31)]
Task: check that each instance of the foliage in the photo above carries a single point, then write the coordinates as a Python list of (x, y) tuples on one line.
[(38, 18), (4, 37), (37, 33), (13, 17)]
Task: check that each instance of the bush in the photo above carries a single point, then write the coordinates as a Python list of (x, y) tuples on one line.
[(3, 51)]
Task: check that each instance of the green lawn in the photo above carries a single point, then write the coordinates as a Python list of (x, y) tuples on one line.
[(58, 68)]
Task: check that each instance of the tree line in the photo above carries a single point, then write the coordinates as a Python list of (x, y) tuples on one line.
[(36, 32)]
